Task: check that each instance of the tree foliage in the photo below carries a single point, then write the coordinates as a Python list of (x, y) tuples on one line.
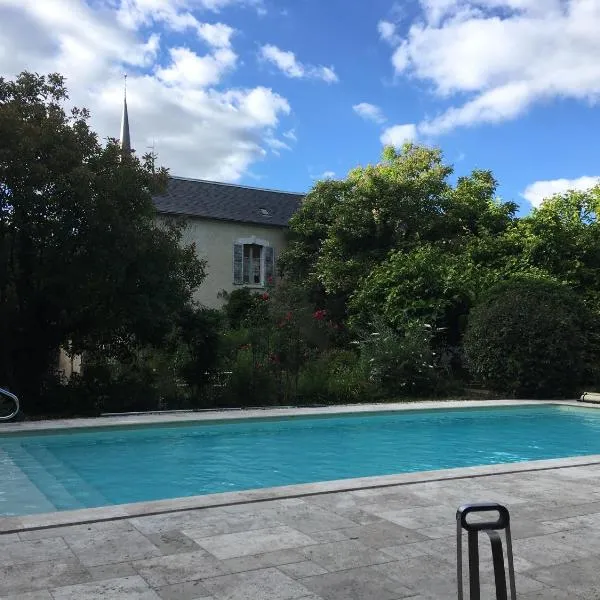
[(529, 338), (397, 245), (83, 262)]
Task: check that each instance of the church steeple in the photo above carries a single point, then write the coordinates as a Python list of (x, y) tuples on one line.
[(125, 137)]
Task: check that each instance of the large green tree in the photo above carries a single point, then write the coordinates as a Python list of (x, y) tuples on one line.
[(83, 262)]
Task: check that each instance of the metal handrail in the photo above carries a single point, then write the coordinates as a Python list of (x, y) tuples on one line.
[(15, 412)]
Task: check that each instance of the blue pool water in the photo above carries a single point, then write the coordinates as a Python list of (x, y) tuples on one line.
[(78, 469)]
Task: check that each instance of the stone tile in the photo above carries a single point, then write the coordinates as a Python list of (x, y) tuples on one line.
[(40, 595), (578, 577), (521, 528), (585, 540), (433, 577), (323, 537), (207, 522), (266, 584), (9, 538), (190, 590), (252, 542), (262, 561), (548, 593), (112, 571), (344, 555), (88, 529), (302, 569), (125, 588), (441, 531), (378, 535), (312, 518), (356, 584), (177, 520), (547, 550), (405, 551), (16, 579), (361, 517), (418, 518), (35, 551), (591, 520), (179, 568), (105, 548), (173, 542), (265, 506)]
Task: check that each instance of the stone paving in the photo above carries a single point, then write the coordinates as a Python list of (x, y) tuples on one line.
[(372, 544)]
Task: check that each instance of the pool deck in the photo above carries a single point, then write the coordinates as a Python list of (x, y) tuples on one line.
[(377, 538)]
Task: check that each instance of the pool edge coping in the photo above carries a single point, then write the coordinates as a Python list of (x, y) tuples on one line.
[(220, 415), (156, 507)]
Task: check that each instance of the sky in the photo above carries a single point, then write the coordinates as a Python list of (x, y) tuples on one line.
[(280, 93)]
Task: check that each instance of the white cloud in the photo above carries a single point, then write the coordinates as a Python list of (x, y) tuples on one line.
[(370, 112), (290, 66), (290, 135), (398, 134), (175, 12), (187, 69), (387, 32), (320, 176), (276, 144), (502, 56), (537, 192), (201, 128), (216, 34)]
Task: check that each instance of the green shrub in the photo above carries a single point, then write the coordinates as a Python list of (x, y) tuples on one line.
[(238, 304), (335, 377), (402, 362), (529, 338), (250, 382)]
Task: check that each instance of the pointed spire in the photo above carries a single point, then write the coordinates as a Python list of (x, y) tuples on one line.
[(125, 137)]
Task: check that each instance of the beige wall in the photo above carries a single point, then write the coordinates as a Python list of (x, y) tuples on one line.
[(214, 242)]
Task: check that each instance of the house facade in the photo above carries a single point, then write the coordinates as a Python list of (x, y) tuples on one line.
[(239, 231)]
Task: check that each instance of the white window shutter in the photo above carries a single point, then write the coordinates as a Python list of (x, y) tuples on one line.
[(238, 264), (269, 263)]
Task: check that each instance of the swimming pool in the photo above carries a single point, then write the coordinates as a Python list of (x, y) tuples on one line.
[(70, 469)]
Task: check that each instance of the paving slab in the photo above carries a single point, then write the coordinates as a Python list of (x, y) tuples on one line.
[(173, 542), (357, 584), (104, 548), (252, 542), (41, 595), (189, 590), (35, 551), (261, 561), (265, 584), (179, 568), (21, 578), (125, 588), (337, 556), (380, 534)]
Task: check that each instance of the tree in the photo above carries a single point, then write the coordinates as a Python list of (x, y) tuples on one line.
[(531, 338), (83, 262), (562, 236)]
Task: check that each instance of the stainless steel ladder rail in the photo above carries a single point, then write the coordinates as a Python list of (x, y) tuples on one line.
[(15, 400)]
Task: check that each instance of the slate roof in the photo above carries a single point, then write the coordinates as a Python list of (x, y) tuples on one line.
[(212, 200)]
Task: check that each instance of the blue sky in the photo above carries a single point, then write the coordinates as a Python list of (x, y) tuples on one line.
[(276, 93)]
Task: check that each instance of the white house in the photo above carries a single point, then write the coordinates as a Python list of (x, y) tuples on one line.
[(238, 230)]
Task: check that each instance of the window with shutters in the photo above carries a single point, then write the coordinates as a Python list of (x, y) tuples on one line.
[(253, 262)]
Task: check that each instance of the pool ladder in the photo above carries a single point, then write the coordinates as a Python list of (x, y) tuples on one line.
[(16, 406), (491, 528)]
